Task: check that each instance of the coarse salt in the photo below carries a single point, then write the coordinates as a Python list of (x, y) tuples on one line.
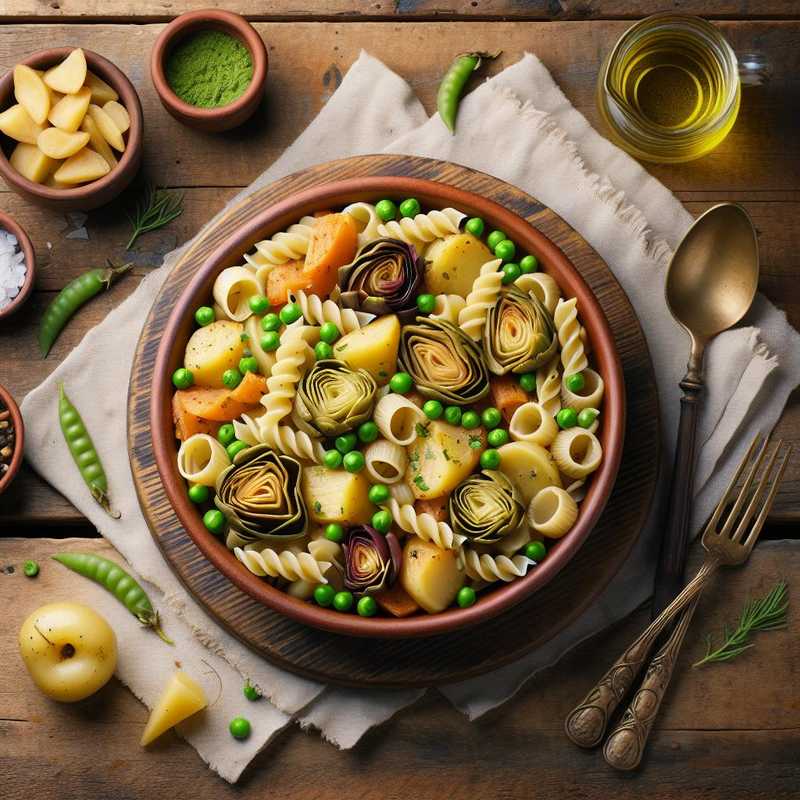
[(12, 268)]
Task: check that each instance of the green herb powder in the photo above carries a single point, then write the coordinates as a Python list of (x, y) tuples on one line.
[(209, 69)]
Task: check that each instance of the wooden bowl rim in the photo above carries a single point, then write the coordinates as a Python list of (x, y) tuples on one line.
[(181, 26), (19, 438), (24, 241), (117, 79), (431, 194)]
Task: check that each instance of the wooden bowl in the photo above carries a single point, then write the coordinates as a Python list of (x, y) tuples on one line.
[(30, 262), (103, 190), (19, 438), (431, 195), (222, 118)]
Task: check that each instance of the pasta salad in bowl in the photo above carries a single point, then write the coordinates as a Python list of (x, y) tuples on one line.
[(388, 407)]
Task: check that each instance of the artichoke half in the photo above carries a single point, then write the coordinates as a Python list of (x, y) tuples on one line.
[(259, 493), (332, 398), (486, 507), (384, 278), (443, 361), (519, 334), (371, 560)]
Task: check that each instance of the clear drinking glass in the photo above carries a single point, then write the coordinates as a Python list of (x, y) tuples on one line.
[(669, 90)]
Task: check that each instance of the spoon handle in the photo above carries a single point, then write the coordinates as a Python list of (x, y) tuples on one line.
[(672, 559)]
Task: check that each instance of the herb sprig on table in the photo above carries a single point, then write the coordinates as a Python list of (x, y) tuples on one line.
[(766, 614), (156, 208)]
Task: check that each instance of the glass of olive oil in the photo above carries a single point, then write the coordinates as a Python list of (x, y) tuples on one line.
[(669, 90)]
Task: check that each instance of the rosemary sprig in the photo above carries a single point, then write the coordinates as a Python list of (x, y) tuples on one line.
[(766, 614), (156, 208)]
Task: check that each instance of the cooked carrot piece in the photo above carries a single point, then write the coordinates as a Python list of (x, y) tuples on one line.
[(333, 244), (285, 278), (396, 601), (251, 388), (507, 395), (187, 424), (437, 507)]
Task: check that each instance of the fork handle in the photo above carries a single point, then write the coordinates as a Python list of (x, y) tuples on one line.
[(625, 746)]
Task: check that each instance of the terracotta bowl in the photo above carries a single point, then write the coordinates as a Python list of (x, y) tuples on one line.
[(431, 195), (225, 117), (99, 192), (19, 438), (13, 227)]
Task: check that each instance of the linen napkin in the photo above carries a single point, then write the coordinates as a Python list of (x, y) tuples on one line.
[(519, 127)]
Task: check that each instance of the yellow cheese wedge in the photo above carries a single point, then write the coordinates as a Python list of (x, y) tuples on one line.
[(97, 142), (31, 93), (17, 123), (110, 132), (56, 143), (85, 165), (182, 697), (118, 114), (101, 91), (31, 162), (68, 113), (68, 76)]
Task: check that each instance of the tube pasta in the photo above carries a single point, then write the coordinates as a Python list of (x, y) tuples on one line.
[(201, 458), (552, 512), (397, 418), (287, 565), (573, 355), (448, 307), (577, 452), (317, 312), (543, 286), (424, 525), (233, 287), (288, 245), (494, 568), (367, 220), (483, 295), (548, 387), (589, 397), (386, 461), (424, 227), (532, 423)]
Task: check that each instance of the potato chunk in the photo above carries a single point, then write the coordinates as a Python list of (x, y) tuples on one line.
[(97, 142), (453, 263), (17, 123), (68, 113), (56, 143), (84, 166), (118, 114), (430, 575), (373, 348), (31, 93), (101, 91), (31, 162), (212, 350), (107, 128), (68, 76), (336, 496), (529, 467)]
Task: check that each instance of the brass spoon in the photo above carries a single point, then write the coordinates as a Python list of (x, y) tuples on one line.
[(711, 281)]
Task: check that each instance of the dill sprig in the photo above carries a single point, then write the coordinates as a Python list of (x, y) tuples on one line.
[(766, 614), (156, 208)]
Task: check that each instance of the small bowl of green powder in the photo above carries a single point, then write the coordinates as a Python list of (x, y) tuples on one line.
[(209, 69)]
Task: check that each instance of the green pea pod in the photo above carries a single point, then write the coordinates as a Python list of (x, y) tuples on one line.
[(113, 578), (453, 83), (75, 294)]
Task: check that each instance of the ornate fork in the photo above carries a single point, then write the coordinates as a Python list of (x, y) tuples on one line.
[(587, 723)]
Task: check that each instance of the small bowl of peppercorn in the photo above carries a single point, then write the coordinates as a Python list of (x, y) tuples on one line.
[(12, 439), (209, 68)]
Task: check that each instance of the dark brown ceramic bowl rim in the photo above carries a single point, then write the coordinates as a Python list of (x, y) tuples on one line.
[(19, 438), (115, 78), (432, 195), (239, 27), (24, 241)]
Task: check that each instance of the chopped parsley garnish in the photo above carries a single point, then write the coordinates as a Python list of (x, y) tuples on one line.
[(446, 454), (317, 506), (422, 431), (420, 481), (475, 442)]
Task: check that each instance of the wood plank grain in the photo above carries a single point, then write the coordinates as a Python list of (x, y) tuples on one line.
[(726, 732)]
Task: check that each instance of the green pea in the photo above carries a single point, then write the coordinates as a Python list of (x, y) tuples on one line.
[(199, 493), (511, 272), (250, 692), (332, 459), (567, 418), (204, 315), (505, 249), (466, 597), (378, 493), (452, 414), (470, 420), (226, 433), (491, 417), (258, 303), (410, 207), (401, 383), (231, 378), (182, 378), (475, 226), (426, 303), (386, 210), (329, 332), (343, 601), (494, 238), (271, 322), (367, 607), (490, 459), (239, 728), (270, 341), (323, 595), (345, 443), (334, 532), (382, 521), (354, 461), (432, 409), (236, 446), (367, 432), (575, 382), (214, 520), (528, 381), (31, 569), (323, 350), (528, 264), (587, 416), (248, 364), (498, 437), (291, 312), (535, 551)]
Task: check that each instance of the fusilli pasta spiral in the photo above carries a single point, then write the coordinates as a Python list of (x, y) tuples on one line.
[(548, 387), (317, 312), (424, 525), (483, 295), (402, 493), (552, 512), (287, 565), (287, 245), (577, 452), (494, 568), (424, 227), (448, 307), (573, 356), (367, 220), (543, 286)]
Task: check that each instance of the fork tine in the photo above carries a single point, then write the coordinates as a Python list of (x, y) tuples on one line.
[(750, 541), (744, 492), (759, 491)]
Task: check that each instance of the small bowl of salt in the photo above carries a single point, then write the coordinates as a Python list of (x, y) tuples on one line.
[(17, 266)]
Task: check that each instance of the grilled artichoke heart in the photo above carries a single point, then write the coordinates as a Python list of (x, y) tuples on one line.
[(371, 560), (486, 507)]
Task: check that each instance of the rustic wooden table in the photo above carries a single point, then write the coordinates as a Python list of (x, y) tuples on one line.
[(729, 731)]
